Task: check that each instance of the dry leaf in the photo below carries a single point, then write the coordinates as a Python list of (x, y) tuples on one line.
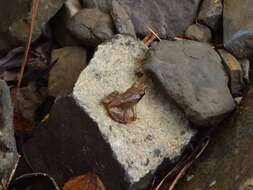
[(89, 181)]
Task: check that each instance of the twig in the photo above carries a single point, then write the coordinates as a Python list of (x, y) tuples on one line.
[(35, 6), (188, 165)]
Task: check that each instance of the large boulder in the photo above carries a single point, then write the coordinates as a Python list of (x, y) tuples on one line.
[(166, 17), (227, 163), (130, 153), (238, 27), (16, 16), (8, 151), (192, 74)]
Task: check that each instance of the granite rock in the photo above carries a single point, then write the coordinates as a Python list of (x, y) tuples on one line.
[(128, 154), (191, 73)]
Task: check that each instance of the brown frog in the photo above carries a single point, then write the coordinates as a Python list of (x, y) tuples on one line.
[(120, 106)]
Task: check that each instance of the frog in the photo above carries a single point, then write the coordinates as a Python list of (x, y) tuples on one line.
[(121, 106)]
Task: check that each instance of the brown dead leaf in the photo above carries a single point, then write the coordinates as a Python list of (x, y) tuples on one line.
[(89, 181)]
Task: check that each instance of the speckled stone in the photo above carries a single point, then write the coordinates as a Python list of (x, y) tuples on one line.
[(139, 148)]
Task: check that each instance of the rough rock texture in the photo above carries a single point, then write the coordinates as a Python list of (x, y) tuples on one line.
[(91, 26), (122, 21), (8, 152), (131, 153), (234, 71), (70, 61), (210, 13), (192, 75), (28, 99), (166, 17), (238, 27), (14, 20), (199, 33), (61, 20), (227, 162)]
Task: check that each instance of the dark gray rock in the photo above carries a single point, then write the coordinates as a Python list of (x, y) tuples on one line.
[(91, 26), (238, 27), (234, 71), (191, 73), (199, 33), (128, 155), (227, 161), (70, 61), (166, 17), (60, 22), (14, 20), (210, 13), (122, 21), (8, 152)]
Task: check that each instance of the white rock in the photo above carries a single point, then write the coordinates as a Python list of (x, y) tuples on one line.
[(160, 132)]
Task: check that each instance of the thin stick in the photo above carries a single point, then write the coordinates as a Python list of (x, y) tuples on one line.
[(35, 6), (188, 165)]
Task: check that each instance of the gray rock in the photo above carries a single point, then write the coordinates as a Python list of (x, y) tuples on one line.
[(8, 152), (70, 61), (122, 21), (91, 26), (228, 158), (191, 73), (166, 17), (128, 155), (238, 27), (245, 63), (60, 22), (234, 71), (210, 13), (15, 15), (199, 33)]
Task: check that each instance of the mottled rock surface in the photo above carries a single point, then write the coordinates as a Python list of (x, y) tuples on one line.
[(15, 15), (228, 159), (70, 61), (130, 153), (91, 26), (210, 13), (199, 33), (8, 152), (238, 27), (234, 71), (192, 74), (122, 21), (166, 17)]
